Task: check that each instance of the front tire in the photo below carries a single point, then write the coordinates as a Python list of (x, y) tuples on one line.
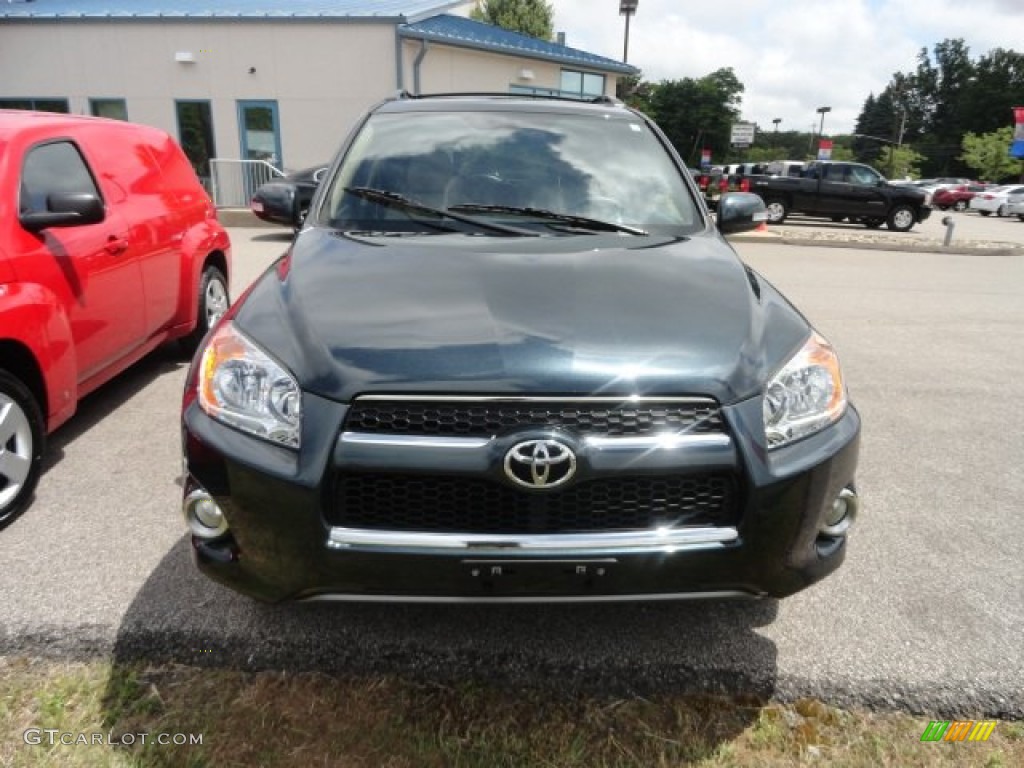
[(213, 303), (21, 447), (777, 211), (901, 218), (960, 206), (1001, 212)]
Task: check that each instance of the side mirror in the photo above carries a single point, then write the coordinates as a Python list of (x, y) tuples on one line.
[(65, 210), (300, 206), (740, 212)]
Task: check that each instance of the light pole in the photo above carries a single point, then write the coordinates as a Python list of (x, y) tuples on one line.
[(775, 139), (627, 8), (822, 111)]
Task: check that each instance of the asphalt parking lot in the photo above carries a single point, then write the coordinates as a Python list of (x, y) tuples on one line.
[(927, 613)]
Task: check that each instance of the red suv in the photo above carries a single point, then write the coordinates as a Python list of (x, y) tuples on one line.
[(109, 246)]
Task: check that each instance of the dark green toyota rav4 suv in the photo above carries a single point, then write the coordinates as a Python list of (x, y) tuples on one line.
[(510, 357)]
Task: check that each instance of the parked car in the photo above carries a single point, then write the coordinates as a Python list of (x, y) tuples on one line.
[(1015, 206), (957, 197), (108, 247), (994, 200), (285, 200), (509, 356)]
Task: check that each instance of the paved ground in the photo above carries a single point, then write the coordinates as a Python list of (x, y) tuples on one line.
[(927, 614)]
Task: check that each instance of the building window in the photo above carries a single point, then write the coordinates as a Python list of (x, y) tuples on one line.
[(40, 105), (112, 108), (533, 90), (195, 134), (582, 85)]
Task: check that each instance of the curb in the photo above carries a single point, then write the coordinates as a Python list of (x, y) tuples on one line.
[(1007, 249)]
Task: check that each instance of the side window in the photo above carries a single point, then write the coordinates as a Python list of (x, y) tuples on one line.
[(835, 173), (53, 169), (863, 176)]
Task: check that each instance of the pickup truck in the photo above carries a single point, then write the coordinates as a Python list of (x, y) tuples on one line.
[(842, 191)]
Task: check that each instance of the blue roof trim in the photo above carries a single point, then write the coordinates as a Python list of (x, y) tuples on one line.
[(401, 10), (467, 33)]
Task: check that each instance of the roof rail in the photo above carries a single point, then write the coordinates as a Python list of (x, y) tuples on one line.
[(506, 95), (602, 99)]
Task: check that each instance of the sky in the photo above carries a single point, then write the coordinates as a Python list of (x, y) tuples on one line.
[(792, 56)]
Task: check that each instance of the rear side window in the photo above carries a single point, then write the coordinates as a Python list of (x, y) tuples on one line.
[(53, 169), (177, 173)]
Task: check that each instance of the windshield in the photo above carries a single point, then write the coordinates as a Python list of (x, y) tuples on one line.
[(609, 168)]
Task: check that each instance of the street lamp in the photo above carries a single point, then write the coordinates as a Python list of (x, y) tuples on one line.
[(775, 139), (627, 8), (822, 111)]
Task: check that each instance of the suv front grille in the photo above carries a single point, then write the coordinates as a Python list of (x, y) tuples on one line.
[(489, 418), (449, 504)]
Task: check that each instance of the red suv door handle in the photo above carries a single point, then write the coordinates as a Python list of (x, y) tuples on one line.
[(116, 245)]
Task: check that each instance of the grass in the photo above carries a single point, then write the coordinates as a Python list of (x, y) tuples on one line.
[(278, 719)]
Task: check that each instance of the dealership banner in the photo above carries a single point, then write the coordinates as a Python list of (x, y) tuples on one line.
[(705, 157), (1017, 146), (825, 149)]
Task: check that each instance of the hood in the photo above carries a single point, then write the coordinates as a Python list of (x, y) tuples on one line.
[(458, 314)]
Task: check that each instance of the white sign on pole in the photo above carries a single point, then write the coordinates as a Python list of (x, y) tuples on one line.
[(742, 134)]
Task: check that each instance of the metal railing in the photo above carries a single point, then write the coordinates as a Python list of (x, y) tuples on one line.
[(233, 182)]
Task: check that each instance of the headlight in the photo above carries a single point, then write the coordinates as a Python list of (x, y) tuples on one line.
[(240, 385), (806, 395)]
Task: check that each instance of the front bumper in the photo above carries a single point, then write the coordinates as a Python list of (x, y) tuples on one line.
[(279, 545)]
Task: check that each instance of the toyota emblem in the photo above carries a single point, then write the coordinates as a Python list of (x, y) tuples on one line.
[(540, 464)]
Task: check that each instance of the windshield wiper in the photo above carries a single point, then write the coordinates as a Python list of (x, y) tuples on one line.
[(572, 220), (401, 202)]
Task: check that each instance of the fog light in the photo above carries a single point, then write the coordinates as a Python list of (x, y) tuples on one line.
[(205, 519), (841, 514)]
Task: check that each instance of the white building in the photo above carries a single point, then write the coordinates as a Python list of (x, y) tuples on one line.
[(275, 80)]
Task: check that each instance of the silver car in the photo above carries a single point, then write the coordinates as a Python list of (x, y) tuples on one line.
[(997, 200)]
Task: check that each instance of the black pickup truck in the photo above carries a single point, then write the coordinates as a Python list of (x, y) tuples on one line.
[(840, 191)]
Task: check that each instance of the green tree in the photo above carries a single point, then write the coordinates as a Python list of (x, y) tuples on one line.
[(696, 113), (530, 17), (899, 162), (634, 91), (948, 96), (997, 87), (842, 154), (989, 155)]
